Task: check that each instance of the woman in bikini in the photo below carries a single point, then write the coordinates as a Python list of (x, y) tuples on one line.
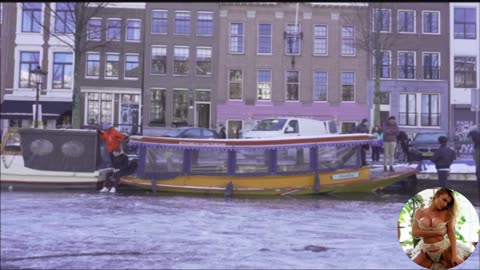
[(431, 224)]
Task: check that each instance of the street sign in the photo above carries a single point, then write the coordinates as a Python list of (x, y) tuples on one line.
[(475, 100)]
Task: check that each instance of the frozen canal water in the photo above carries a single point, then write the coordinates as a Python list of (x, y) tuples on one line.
[(87, 230)]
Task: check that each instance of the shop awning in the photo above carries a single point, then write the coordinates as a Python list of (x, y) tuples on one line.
[(16, 109)]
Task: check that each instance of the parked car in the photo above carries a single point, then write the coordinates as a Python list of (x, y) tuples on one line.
[(191, 132), (424, 144)]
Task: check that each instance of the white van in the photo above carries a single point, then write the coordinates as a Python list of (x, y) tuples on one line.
[(290, 127)]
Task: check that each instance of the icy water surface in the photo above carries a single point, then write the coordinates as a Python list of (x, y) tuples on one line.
[(87, 230)]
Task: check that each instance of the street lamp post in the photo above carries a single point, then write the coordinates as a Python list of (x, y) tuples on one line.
[(38, 77)]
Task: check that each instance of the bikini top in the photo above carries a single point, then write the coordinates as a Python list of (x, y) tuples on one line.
[(439, 226)]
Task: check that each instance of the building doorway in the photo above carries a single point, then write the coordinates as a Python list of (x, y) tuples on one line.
[(202, 112)]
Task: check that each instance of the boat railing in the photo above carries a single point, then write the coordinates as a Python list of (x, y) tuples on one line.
[(170, 158)]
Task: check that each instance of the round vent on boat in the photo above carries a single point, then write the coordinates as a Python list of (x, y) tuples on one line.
[(73, 149), (41, 147)]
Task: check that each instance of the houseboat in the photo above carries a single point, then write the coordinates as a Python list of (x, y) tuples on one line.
[(270, 166)]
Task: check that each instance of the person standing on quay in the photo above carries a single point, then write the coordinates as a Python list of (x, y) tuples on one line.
[(443, 159), (390, 133), (376, 149), (474, 135), (362, 128)]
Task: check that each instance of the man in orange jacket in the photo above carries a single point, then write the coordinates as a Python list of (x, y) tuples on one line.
[(113, 139)]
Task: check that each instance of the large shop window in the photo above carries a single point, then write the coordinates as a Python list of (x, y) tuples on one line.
[(100, 108), (129, 114)]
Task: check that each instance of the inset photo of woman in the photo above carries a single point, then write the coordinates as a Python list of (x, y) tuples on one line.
[(438, 228)]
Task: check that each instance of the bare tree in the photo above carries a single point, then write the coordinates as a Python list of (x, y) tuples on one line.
[(71, 24), (374, 40)]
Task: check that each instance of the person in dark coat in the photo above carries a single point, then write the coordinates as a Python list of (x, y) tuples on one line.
[(443, 159), (222, 133), (363, 128), (403, 141), (120, 168)]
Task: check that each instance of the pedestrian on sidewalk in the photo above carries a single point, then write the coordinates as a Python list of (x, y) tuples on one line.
[(390, 133), (376, 148), (363, 128), (443, 159), (474, 135)]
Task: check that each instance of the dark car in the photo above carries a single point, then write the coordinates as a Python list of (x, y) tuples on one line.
[(191, 132), (424, 144)]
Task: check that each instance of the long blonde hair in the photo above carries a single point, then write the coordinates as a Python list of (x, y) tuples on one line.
[(452, 207)]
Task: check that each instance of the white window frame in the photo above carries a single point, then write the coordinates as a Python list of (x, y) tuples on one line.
[(108, 29), (211, 61), (125, 67), (326, 39), (151, 20), (299, 29), (258, 39), (270, 83), (228, 82), (139, 34), (390, 66), (326, 84), (213, 23), (86, 65), (88, 28), (188, 58), (390, 20), (106, 60), (175, 22), (414, 65), (414, 21), (439, 22), (341, 42), (439, 65), (151, 59), (230, 38), (354, 86), (286, 86)]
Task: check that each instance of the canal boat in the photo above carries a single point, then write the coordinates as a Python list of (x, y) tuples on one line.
[(50, 159), (270, 166)]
